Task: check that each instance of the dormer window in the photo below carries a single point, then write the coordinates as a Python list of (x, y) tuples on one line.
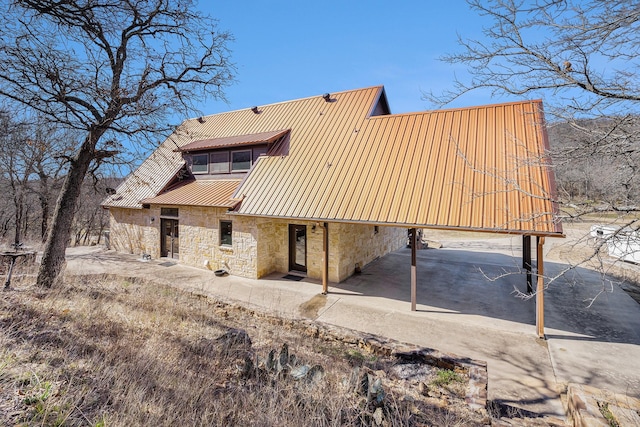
[(220, 162), (240, 161), (200, 163), (233, 154)]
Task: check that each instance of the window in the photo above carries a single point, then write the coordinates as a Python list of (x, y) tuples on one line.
[(200, 163), (172, 212), (240, 160), (220, 162), (225, 233)]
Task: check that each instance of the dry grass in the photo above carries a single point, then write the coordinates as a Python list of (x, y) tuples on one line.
[(103, 351)]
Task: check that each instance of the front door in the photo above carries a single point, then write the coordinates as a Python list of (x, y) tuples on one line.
[(298, 247), (170, 243)]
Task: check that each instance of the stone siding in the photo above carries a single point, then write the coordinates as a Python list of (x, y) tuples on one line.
[(200, 241), (135, 231), (348, 244), (360, 244), (260, 246)]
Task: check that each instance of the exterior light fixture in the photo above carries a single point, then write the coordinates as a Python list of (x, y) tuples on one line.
[(327, 97), (255, 110), (201, 119)]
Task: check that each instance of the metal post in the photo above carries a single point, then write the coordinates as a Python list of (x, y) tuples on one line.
[(413, 268), (540, 288), (526, 261)]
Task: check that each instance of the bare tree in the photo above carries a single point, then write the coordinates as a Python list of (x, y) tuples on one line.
[(16, 166), (50, 147), (582, 57), (108, 69)]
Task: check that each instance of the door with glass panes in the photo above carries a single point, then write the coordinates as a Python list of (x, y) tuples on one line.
[(170, 242), (298, 247)]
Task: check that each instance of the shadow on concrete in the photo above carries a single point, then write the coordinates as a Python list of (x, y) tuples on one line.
[(461, 283)]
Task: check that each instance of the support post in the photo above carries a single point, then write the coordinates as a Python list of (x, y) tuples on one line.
[(540, 288), (7, 284), (526, 261), (325, 258), (414, 278)]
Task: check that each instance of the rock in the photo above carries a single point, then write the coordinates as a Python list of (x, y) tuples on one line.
[(378, 416), (376, 392), (423, 389), (283, 358), (293, 360), (299, 372), (380, 374), (247, 368), (271, 361), (316, 374), (363, 385), (236, 339)]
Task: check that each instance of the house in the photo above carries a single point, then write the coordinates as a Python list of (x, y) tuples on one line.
[(324, 185)]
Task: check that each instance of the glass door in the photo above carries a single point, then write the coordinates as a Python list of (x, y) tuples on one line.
[(170, 242), (298, 247)]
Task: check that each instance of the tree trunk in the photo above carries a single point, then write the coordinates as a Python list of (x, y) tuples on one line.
[(53, 256), (18, 201), (44, 205)]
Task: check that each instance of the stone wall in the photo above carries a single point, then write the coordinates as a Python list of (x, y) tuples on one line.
[(349, 244), (260, 245), (135, 231), (200, 241), (360, 244)]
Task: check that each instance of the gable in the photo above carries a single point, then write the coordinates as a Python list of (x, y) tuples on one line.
[(310, 118)]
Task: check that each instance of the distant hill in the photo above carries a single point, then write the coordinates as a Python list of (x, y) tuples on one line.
[(597, 160)]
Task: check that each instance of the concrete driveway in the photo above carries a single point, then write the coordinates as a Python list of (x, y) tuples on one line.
[(460, 311)]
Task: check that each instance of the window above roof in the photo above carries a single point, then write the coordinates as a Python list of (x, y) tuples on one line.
[(234, 154), (224, 161)]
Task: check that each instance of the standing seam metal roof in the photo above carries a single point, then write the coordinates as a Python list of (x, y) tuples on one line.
[(480, 168), (210, 192)]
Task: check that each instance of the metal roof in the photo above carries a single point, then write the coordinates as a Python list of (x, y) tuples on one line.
[(210, 192), (153, 175), (231, 141), (482, 168)]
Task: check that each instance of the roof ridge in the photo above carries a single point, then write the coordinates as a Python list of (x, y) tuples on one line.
[(453, 109), (377, 87)]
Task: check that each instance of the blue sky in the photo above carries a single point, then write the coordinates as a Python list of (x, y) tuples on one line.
[(293, 49)]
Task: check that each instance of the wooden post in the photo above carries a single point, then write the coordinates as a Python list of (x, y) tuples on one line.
[(325, 258), (414, 244), (540, 288), (7, 284), (526, 261)]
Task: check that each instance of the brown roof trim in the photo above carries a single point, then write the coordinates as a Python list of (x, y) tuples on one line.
[(544, 136), (510, 232), (232, 141)]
